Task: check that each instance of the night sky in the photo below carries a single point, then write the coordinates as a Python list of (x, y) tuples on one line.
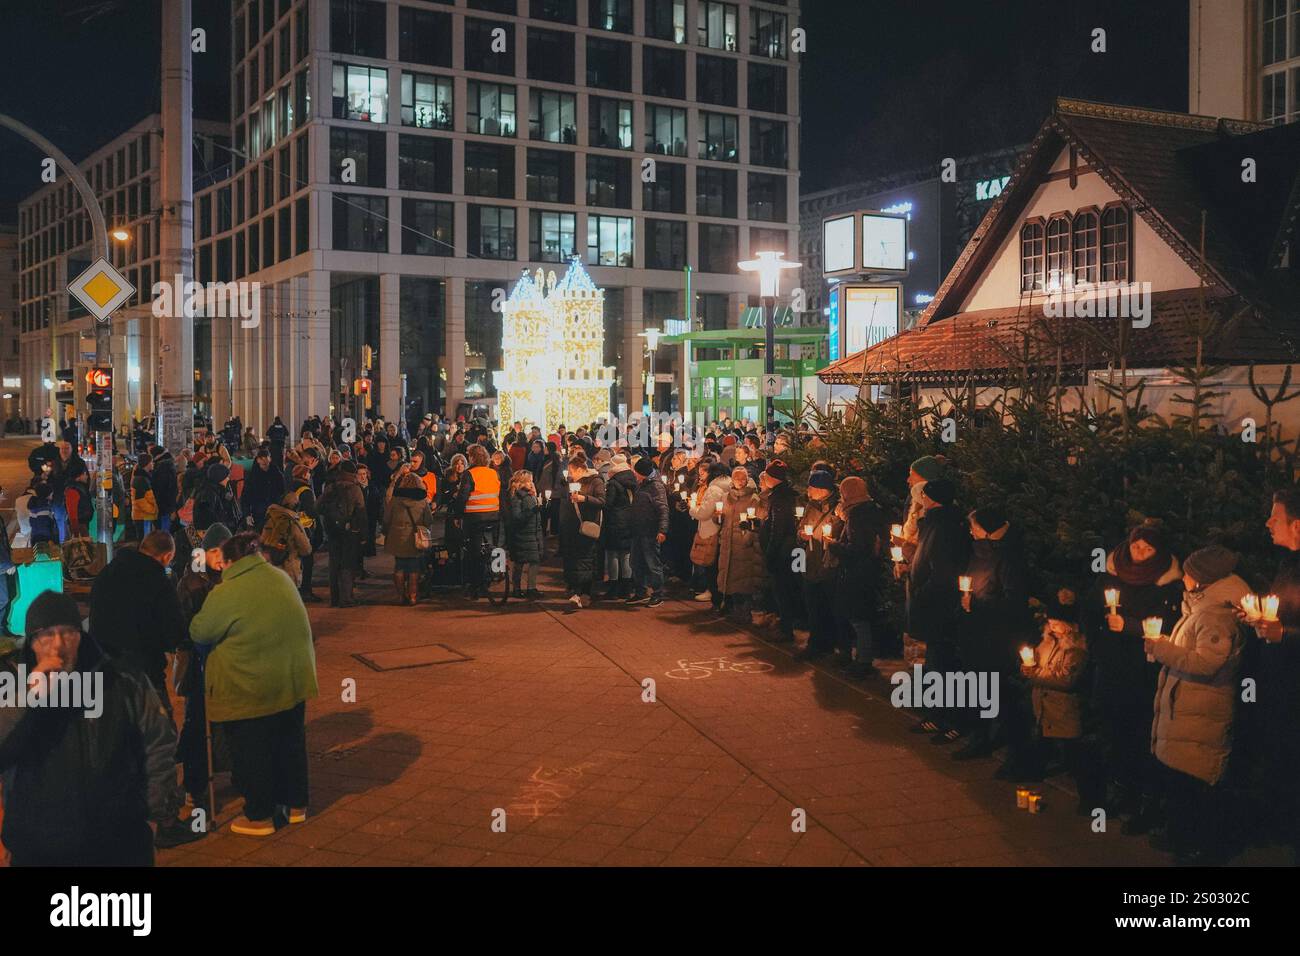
[(887, 86)]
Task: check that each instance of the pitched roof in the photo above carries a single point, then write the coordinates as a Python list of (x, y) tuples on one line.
[(1168, 167), (993, 345)]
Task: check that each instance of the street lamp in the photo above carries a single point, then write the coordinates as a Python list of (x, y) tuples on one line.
[(769, 266), (120, 235), (651, 337)]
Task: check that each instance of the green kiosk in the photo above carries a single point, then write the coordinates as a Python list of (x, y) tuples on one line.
[(724, 371)]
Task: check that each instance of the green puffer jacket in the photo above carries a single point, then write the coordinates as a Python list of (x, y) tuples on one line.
[(262, 661), (1196, 692)]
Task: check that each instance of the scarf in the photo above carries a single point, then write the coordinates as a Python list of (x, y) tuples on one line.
[(1141, 573)]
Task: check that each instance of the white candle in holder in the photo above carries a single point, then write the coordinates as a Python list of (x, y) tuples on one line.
[(574, 487)]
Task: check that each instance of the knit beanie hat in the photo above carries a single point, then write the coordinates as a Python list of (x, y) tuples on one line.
[(1062, 607), (990, 519), (941, 491), (777, 471), (217, 472), (51, 609), (853, 490), (645, 467), (821, 479), (216, 535), (618, 460), (928, 467), (1210, 564)]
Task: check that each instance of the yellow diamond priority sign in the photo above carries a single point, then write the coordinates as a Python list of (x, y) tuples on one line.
[(101, 289)]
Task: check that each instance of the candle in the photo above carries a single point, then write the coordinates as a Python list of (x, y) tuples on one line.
[(896, 552), (808, 530), (826, 530), (717, 506), (1250, 604), (694, 499), (574, 487), (683, 494), (1035, 802), (749, 513), (963, 583), (565, 474), (896, 530), (1270, 605), (799, 511), (1151, 627), (677, 486), (665, 478), (548, 494), (1112, 599), (1022, 798), (1027, 655)]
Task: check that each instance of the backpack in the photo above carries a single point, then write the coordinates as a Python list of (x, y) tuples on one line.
[(293, 497), (276, 538)]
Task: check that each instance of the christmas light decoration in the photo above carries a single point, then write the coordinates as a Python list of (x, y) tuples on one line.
[(553, 347)]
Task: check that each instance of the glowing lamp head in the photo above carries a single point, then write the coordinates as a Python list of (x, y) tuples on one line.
[(651, 337), (769, 266), (120, 235)]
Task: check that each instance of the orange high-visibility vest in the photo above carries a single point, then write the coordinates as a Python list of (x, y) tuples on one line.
[(486, 496), (431, 487)]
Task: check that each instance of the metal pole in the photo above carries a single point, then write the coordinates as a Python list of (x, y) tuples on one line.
[(769, 359), (176, 234), (650, 402)]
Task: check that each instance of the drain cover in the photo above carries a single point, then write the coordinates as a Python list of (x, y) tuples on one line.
[(422, 655)]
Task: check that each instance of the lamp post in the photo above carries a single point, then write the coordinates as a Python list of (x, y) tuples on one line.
[(769, 266), (651, 337)]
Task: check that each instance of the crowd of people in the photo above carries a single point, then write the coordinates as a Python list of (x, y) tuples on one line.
[(1151, 722)]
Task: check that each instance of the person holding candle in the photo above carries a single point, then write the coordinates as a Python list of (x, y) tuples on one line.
[(714, 486), (586, 504), (1195, 701), (933, 603), (620, 489), (856, 543), (681, 527), (778, 536), (524, 539), (1055, 677), (1276, 667), (552, 479), (649, 532), (995, 618), (740, 555), (1144, 577), (821, 572)]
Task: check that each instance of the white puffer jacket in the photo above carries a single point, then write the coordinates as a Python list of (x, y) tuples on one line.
[(706, 505), (1197, 690)]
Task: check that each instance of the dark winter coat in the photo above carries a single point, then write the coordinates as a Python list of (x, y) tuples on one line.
[(650, 508), (78, 788), (524, 528), (165, 488), (857, 550), (216, 503), (821, 563), (577, 550), (135, 615), (1277, 672), (999, 620), (342, 507), (943, 544), (1124, 680), (620, 490), (261, 490), (779, 531)]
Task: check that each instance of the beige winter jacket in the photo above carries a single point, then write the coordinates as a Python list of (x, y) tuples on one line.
[(1197, 689)]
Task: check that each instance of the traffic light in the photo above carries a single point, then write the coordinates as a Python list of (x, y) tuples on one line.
[(99, 400)]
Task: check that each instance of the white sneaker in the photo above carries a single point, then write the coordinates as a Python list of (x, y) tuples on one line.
[(704, 597)]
